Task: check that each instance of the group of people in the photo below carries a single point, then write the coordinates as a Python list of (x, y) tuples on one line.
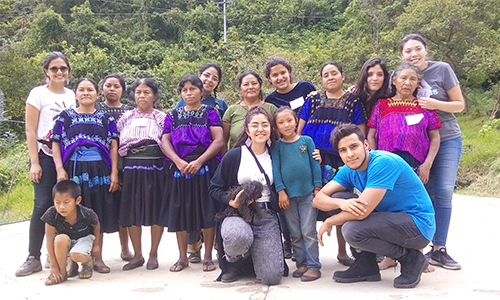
[(107, 167)]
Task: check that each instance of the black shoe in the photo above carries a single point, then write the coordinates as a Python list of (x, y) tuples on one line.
[(364, 268), (287, 249), (412, 266), (442, 259), (231, 272)]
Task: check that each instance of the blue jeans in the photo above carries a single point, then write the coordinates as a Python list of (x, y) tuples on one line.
[(43, 200), (301, 219), (261, 240), (441, 185)]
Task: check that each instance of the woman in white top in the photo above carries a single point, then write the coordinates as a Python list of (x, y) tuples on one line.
[(43, 105)]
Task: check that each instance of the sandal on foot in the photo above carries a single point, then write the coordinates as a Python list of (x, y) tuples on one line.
[(178, 266), (345, 261), (86, 271), (102, 269), (208, 266), (72, 270), (299, 272), (307, 278), (133, 265), (127, 257), (51, 280), (152, 264)]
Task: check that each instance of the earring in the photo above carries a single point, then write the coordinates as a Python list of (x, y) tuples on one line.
[(248, 142)]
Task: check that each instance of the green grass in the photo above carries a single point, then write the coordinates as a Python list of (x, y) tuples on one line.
[(479, 169)]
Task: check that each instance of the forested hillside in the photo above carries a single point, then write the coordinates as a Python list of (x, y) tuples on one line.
[(167, 39)]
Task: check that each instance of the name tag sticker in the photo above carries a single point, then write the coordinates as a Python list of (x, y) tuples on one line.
[(141, 122), (259, 177), (414, 119), (297, 103)]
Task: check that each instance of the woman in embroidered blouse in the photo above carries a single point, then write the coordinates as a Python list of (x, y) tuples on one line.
[(320, 114), (250, 85), (400, 125), (192, 139), (113, 87), (85, 142), (43, 105), (143, 172)]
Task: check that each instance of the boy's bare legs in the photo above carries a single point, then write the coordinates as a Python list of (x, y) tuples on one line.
[(156, 234), (342, 256), (182, 242), (99, 265), (87, 264), (58, 269), (126, 255), (209, 238)]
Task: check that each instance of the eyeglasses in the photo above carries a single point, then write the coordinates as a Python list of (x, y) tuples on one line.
[(256, 126), (208, 76), (62, 69)]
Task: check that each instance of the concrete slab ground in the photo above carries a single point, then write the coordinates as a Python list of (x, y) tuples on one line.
[(473, 241)]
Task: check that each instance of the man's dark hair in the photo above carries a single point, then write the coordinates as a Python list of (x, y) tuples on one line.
[(342, 131), (67, 186)]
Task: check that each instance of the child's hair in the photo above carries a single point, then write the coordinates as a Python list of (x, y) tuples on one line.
[(194, 80), (120, 79), (149, 83), (254, 74), (256, 110), (89, 80), (362, 85), (251, 191), (278, 60), (67, 186), (219, 74), (285, 109), (342, 131)]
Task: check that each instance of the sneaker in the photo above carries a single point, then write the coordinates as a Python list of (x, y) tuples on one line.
[(442, 259), (412, 266), (30, 266), (194, 257)]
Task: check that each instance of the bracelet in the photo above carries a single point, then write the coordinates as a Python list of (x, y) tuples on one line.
[(317, 189)]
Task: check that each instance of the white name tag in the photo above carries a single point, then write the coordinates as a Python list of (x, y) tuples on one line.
[(141, 122), (297, 103), (260, 178), (414, 119)]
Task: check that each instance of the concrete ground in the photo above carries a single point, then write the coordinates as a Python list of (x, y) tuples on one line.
[(473, 241)]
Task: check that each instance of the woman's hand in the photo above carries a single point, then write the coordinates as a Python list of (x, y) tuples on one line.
[(428, 103), (35, 173), (317, 155), (181, 165), (423, 172), (61, 174), (355, 206), (234, 203), (115, 182), (284, 201), (312, 94), (193, 167)]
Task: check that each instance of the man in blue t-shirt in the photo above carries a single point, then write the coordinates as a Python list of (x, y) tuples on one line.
[(392, 216)]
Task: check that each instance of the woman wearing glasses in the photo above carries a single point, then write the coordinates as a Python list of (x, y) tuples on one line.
[(43, 105)]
